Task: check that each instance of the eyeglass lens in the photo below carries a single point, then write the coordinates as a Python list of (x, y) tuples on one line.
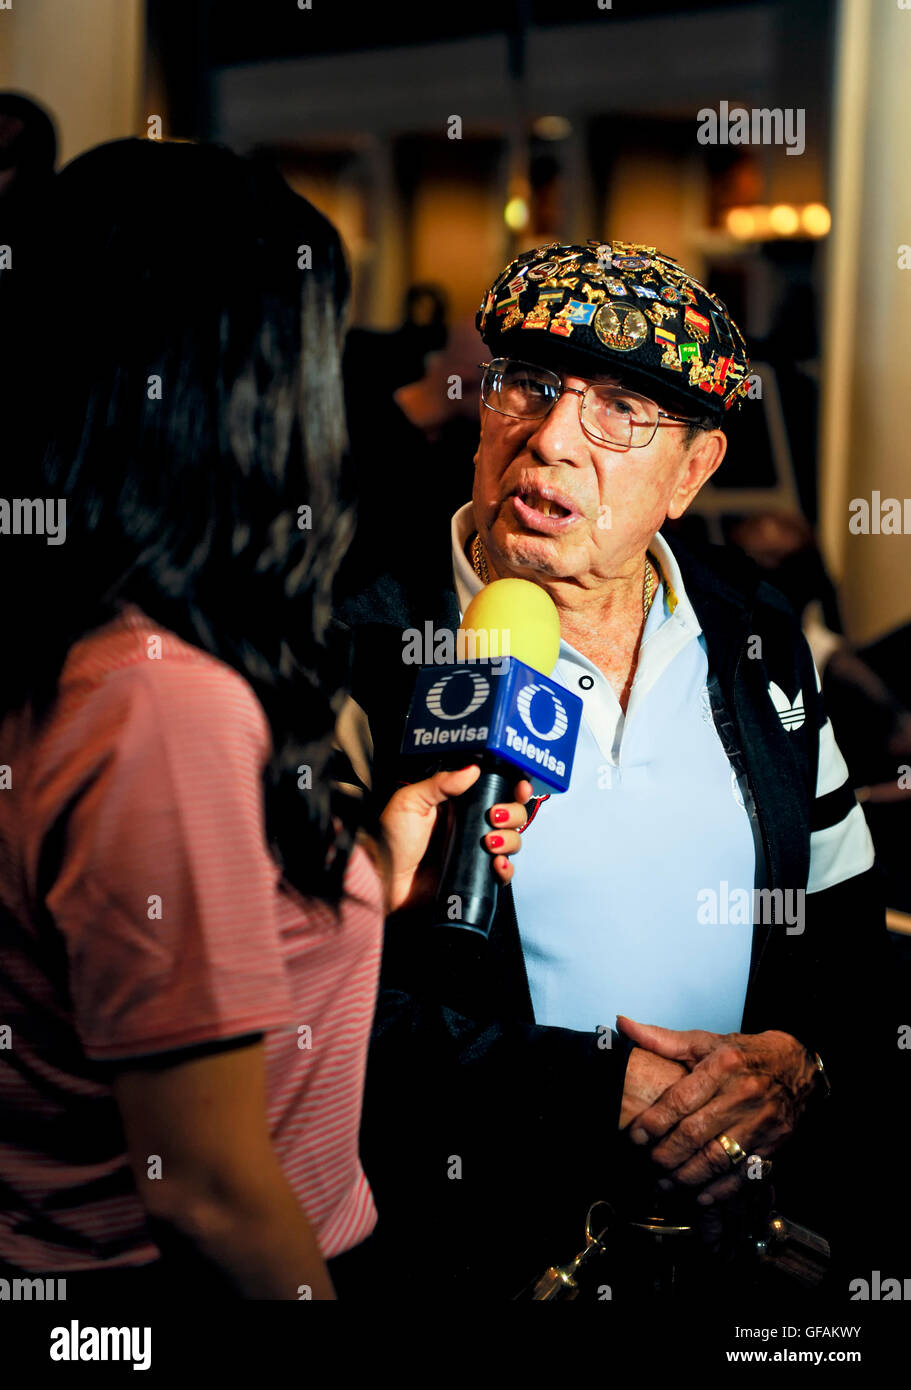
[(527, 392)]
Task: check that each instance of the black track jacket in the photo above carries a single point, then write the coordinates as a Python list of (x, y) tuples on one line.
[(485, 1136)]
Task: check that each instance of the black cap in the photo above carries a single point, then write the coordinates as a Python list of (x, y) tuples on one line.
[(619, 307)]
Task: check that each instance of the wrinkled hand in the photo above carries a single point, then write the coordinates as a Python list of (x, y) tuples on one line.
[(753, 1087), (647, 1077), (411, 817)]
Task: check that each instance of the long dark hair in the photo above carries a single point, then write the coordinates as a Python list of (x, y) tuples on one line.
[(175, 331)]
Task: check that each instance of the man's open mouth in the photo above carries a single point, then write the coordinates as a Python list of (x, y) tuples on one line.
[(544, 508), (544, 505)]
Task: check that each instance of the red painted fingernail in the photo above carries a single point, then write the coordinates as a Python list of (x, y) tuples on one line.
[(499, 816), (495, 841)]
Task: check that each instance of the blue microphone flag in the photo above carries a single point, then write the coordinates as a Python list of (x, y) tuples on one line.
[(501, 707)]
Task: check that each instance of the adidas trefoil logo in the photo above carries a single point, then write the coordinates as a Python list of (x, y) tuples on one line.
[(791, 716)]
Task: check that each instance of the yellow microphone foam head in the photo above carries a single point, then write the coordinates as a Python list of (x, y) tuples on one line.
[(518, 613)]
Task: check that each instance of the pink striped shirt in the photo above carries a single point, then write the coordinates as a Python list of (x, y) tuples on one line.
[(141, 911)]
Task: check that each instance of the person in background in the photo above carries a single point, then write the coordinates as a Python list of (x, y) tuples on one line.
[(866, 688), (28, 154), (190, 919), (376, 364), (785, 548)]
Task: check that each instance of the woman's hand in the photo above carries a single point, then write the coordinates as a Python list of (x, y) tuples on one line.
[(412, 816)]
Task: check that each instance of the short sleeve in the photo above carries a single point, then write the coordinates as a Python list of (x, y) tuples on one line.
[(166, 894)]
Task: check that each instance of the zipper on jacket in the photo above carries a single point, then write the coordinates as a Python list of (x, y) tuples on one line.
[(729, 734)]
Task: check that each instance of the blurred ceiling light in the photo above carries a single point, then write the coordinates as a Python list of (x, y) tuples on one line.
[(741, 223), (515, 214), (552, 128), (758, 222), (816, 219), (784, 219), (763, 221)]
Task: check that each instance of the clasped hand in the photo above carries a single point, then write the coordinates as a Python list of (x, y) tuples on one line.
[(753, 1087)]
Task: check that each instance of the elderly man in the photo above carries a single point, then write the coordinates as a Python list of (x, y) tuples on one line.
[(500, 1101)]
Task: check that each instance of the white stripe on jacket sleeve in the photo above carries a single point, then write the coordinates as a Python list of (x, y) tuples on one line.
[(844, 849)]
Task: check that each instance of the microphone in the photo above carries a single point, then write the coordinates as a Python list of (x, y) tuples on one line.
[(496, 707)]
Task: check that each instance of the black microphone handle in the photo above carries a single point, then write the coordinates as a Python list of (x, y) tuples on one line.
[(467, 895)]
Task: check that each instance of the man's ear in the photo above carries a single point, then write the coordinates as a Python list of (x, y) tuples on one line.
[(702, 458)]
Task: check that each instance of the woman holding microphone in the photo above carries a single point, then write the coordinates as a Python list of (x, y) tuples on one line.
[(190, 919)]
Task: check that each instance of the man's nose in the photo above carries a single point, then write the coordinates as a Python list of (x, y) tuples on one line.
[(559, 437)]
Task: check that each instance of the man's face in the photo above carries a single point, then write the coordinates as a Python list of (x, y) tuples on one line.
[(606, 502)]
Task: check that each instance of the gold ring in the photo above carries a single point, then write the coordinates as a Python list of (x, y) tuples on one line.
[(733, 1150)]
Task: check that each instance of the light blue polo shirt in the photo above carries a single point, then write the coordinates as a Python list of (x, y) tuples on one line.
[(630, 887)]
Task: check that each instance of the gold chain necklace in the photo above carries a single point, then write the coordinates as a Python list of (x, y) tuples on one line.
[(647, 588), (479, 560), (479, 565)]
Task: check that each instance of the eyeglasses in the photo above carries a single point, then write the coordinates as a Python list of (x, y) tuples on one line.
[(609, 414)]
